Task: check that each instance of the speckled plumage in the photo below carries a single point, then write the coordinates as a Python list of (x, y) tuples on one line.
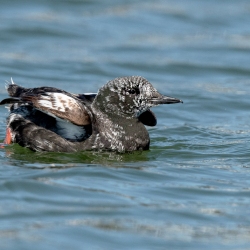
[(50, 119)]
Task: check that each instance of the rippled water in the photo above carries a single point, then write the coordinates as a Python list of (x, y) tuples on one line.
[(192, 189)]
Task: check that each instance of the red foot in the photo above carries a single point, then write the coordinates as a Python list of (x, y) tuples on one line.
[(7, 139)]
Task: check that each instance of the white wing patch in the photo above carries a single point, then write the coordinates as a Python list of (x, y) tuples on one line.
[(63, 106), (56, 101)]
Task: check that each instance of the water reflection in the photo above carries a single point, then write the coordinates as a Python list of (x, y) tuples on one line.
[(26, 158)]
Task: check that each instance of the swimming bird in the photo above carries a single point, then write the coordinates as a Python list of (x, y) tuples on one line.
[(54, 120)]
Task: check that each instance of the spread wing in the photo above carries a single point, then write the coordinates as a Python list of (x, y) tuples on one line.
[(60, 105), (53, 101)]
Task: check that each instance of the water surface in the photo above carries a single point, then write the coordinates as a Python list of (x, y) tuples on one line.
[(191, 189)]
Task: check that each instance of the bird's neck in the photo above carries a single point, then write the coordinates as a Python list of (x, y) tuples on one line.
[(119, 133)]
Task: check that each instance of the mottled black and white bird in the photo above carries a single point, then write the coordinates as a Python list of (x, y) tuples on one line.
[(53, 120)]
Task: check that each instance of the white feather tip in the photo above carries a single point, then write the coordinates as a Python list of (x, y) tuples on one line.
[(12, 82)]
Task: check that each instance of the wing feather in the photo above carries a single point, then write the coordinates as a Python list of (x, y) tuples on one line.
[(60, 105)]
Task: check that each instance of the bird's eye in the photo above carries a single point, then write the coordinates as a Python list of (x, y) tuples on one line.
[(131, 91), (134, 91)]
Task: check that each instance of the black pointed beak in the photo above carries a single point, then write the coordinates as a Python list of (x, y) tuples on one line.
[(161, 99)]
